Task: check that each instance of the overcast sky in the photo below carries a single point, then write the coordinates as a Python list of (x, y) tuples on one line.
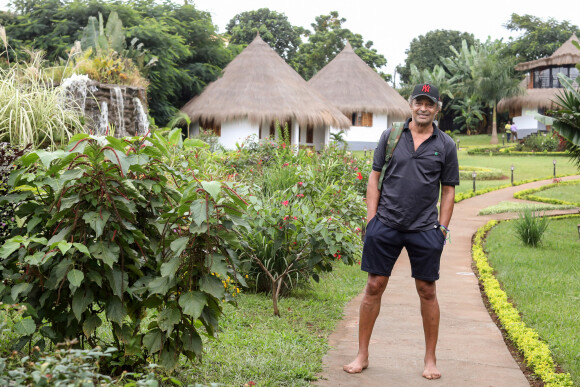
[(392, 25)]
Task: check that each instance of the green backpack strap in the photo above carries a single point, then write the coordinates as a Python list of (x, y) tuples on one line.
[(392, 141)]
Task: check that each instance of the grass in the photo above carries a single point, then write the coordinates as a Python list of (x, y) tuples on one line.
[(502, 207), (543, 284), (569, 193), (525, 168), (475, 140), (254, 345)]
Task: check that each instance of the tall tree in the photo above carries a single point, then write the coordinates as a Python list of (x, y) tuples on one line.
[(426, 50), (274, 28), (540, 38), (484, 71), (327, 40)]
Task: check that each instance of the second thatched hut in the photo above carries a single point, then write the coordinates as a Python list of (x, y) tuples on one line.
[(542, 86), (368, 101), (257, 91)]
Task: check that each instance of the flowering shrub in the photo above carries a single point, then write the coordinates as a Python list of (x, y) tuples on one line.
[(111, 231), (292, 237)]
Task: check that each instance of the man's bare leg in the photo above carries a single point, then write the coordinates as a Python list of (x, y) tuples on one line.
[(369, 310), (430, 312)]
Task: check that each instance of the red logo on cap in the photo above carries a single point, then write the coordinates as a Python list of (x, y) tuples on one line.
[(426, 88)]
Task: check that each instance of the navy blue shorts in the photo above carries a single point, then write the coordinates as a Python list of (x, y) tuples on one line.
[(383, 246)]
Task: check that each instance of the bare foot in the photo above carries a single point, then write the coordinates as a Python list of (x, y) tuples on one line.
[(431, 371), (357, 366)]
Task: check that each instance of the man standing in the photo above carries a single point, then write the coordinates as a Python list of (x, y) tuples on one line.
[(403, 213)]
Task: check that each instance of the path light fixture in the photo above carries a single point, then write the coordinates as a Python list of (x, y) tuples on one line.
[(579, 231), (502, 139), (365, 152), (554, 161), (512, 174), (473, 174), (457, 143)]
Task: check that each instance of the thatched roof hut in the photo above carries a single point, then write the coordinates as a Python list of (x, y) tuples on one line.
[(260, 86), (352, 86), (565, 55), (541, 98)]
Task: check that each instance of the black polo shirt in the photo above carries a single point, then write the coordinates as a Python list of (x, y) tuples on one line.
[(410, 191)]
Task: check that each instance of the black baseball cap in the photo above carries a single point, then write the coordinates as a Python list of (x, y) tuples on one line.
[(427, 90)]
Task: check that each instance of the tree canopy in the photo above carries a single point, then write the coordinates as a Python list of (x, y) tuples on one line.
[(426, 51), (327, 40), (184, 40), (539, 39), (274, 28)]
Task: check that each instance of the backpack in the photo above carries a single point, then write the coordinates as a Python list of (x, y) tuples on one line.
[(392, 141)]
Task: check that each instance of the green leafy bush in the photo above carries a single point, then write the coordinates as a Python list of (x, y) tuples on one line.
[(111, 232), (539, 143), (530, 227)]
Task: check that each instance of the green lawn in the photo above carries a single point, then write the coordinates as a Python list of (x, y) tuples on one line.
[(254, 345), (517, 207), (525, 168), (569, 193), (543, 284), (475, 140)]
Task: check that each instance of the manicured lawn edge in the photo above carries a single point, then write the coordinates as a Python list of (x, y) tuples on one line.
[(466, 195), (527, 193), (536, 353)]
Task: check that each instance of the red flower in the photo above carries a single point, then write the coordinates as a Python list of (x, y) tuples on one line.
[(300, 183), (286, 217), (359, 176), (284, 145), (285, 203), (295, 218)]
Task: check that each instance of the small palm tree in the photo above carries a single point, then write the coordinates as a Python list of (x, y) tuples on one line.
[(566, 120), (469, 113)]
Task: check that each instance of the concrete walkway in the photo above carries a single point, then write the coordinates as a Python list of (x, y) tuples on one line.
[(470, 351)]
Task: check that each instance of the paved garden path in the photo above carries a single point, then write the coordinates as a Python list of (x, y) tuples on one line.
[(471, 350)]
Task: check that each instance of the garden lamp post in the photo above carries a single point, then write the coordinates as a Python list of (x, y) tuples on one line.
[(473, 174), (512, 174), (502, 139), (554, 161), (365, 152), (457, 144)]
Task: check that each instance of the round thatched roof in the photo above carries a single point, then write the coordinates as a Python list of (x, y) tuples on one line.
[(351, 85), (567, 54), (260, 86)]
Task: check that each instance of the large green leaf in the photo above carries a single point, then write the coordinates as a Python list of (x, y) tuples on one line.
[(218, 264), (178, 245), (115, 310), (97, 221), (169, 268), (195, 143), (213, 188), (169, 357), (106, 252), (192, 342), (75, 277), (168, 318), (81, 301), (198, 211), (91, 324), (25, 327), (8, 248), (212, 285), (153, 340), (192, 303), (20, 288), (47, 157)]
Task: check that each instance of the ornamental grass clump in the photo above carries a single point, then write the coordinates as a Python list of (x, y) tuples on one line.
[(33, 111), (530, 227)]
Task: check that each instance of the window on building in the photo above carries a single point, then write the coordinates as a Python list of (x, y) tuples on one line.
[(270, 131), (309, 134), (212, 127), (362, 119), (548, 78)]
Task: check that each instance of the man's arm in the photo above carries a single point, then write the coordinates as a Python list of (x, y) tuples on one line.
[(447, 203), (373, 194)]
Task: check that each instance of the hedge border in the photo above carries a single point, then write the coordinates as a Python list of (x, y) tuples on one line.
[(536, 353), (526, 194), (466, 195)]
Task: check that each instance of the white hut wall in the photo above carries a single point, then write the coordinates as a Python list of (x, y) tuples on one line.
[(194, 129), (365, 137), (237, 131)]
